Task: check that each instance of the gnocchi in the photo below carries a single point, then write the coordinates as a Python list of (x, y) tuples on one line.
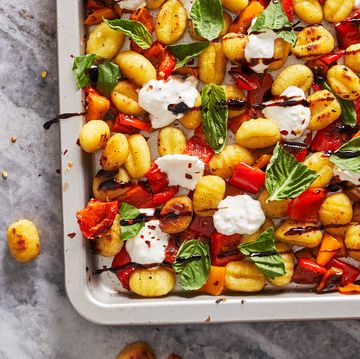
[(138, 161), (352, 57), (171, 141), (115, 152), (309, 11), (344, 82), (94, 136)]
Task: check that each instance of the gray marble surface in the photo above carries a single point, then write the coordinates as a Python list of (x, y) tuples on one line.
[(36, 318)]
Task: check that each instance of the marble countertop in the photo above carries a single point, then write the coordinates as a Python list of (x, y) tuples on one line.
[(36, 318)]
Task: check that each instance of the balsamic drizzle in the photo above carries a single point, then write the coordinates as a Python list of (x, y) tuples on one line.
[(62, 116)]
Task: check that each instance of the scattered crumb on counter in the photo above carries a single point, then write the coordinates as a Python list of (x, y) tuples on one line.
[(208, 319), (70, 165), (13, 139), (65, 152), (4, 174), (220, 300), (72, 235), (243, 301), (44, 74), (66, 186), (58, 171)]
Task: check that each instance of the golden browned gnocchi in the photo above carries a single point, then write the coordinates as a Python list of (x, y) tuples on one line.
[(171, 22), (273, 209), (288, 258), (224, 163), (154, 4), (233, 46), (344, 82), (152, 282), (94, 136), (352, 240), (336, 10), (235, 5), (115, 152), (125, 97), (243, 276), (324, 168), (136, 67), (295, 75), (171, 141), (192, 119), (258, 133), (281, 53), (23, 240), (209, 192), (138, 161), (139, 350), (104, 42), (352, 57), (309, 11), (325, 109)]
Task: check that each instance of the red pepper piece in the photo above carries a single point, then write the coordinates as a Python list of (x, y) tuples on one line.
[(224, 249), (305, 208), (288, 6), (203, 226), (350, 273), (138, 196), (171, 251), (162, 197), (143, 15), (357, 110), (330, 138), (94, 5), (347, 31), (167, 65), (97, 217), (333, 56), (131, 121), (157, 180), (245, 81), (331, 280), (307, 271), (248, 178), (195, 148), (298, 150), (122, 259)]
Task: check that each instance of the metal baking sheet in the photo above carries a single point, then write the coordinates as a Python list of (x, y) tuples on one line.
[(99, 298)]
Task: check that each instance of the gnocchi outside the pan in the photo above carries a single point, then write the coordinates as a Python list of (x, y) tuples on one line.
[(227, 133)]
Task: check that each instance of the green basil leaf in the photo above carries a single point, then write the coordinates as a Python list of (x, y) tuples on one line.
[(286, 177), (108, 76), (134, 29), (274, 18), (185, 52), (350, 162), (348, 113), (192, 264), (264, 254), (207, 18), (214, 113), (81, 64), (127, 212)]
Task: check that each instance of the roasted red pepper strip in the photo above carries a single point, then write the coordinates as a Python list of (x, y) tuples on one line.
[(203, 226), (162, 197), (307, 271), (248, 178), (348, 31), (331, 280), (245, 81), (143, 15), (123, 259), (288, 6), (305, 208), (350, 273), (157, 180), (131, 121), (138, 196), (167, 65), (171, 251), (97, 217), (332, 57), (224, 249), (195, 148)]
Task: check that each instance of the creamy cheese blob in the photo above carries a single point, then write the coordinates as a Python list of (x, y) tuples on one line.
[(259, 47), (345, 175), (148, 247), (238, 214), (357, 4), (156, 96), (182, 170), (292, 120), (132, 4), (188, 5)]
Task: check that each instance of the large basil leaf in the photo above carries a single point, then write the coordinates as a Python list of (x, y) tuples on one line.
[(192, 264), (214, 113), (128, 212), (207, 18), (134, 29), (108, 76), (274, 18), (80, 66), (347, 157), (185, 52), (264, 254), (348, 113), (286, 177)]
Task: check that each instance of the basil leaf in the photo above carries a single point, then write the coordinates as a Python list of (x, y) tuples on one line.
[(207, 18), (108, 76), (192, 264), (127, 212), (81, 64), (214, 113), (350, 162), (134, 29), (286, 177), (274, 18), (264, 254), (348, 113), (185, 52)]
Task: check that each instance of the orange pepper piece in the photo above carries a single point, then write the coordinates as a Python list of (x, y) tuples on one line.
[(97, 106), (216, 282), (243, 21), (350, 288), (97, 16), (328, 249)]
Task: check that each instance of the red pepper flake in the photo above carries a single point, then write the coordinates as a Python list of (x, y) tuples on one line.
[(284, 132), (148, 244)]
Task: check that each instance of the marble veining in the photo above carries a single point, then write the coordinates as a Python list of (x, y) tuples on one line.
[(36, 319)]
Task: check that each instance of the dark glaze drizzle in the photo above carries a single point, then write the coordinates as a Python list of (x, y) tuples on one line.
[(347, 154), (192, 258), (62, 116), (263, 254), (178, 108)]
